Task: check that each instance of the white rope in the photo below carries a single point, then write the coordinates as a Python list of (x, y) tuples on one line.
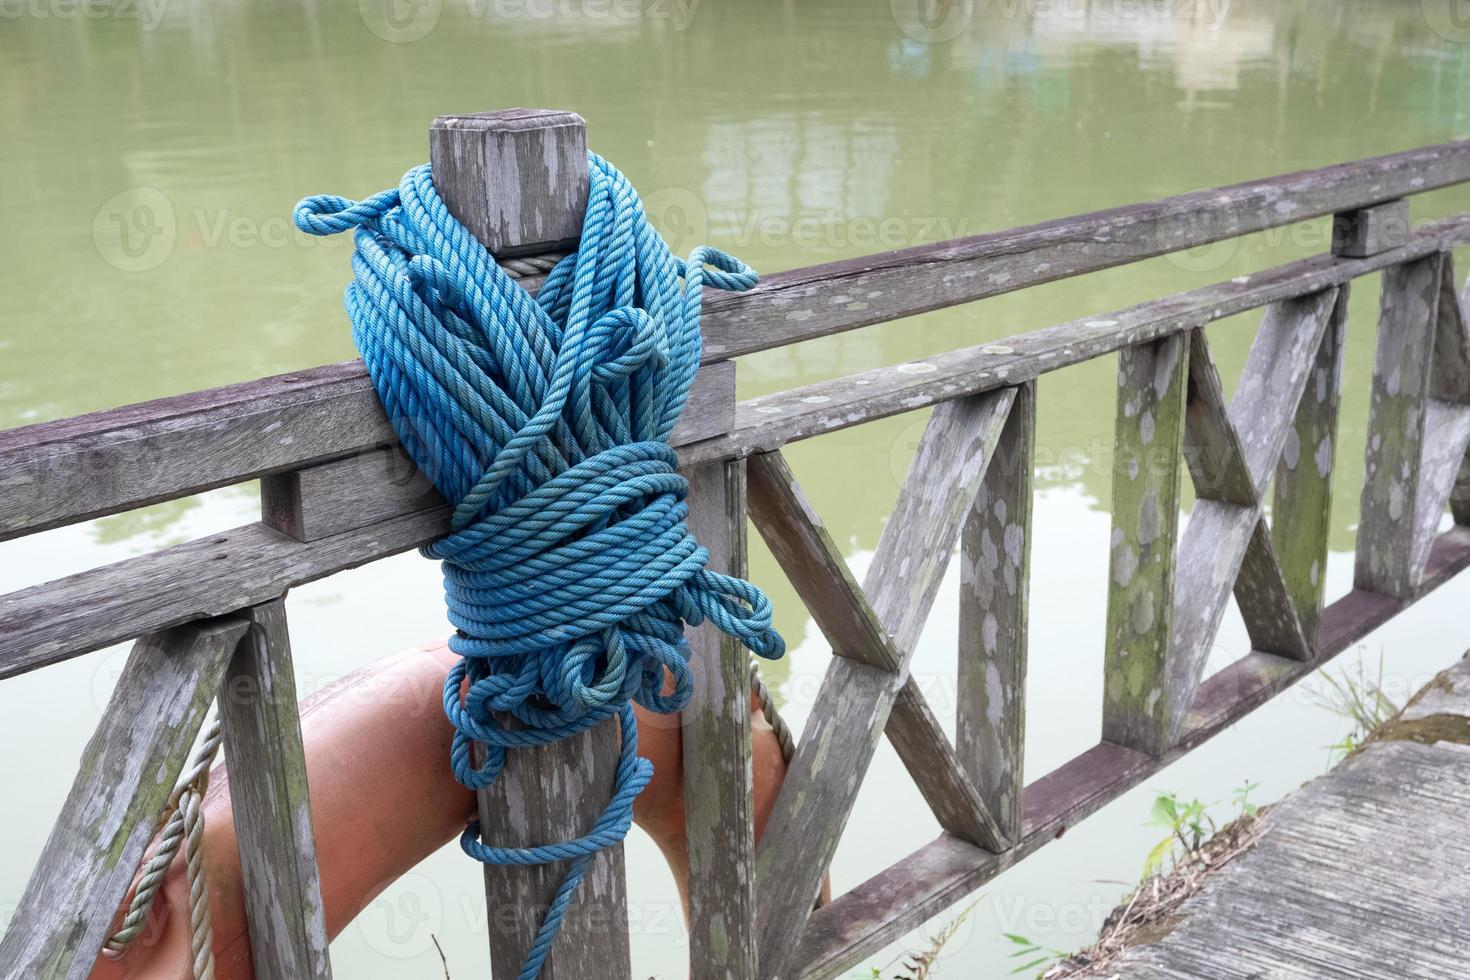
[(184, 821)]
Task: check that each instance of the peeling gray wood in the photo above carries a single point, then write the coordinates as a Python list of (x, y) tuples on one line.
[(719, 793), (380, 484), (1408, 312), (1359, 875), (860, 689), (211, 576), (995, 573), (1148, 440), (1220, 465), (1265, 600), (1212, 447), (329, 498), (271, 804), (937, 875), (770, 421), (1276, 373), (1449, 378), (843, 295), (1368, 231), (1225, 546), (1301, 511), (538, 158), (62, 472), (518, 178), (128, 770)]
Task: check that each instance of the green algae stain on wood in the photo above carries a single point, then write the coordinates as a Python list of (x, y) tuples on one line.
[(1406, 321), (1146, 472), (1302, 506)]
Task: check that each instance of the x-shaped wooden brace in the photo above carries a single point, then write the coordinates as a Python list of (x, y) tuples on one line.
[(972, 470), (1164, 608), (1419, 425)]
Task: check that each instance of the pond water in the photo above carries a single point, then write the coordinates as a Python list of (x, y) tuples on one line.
[(152, 152)]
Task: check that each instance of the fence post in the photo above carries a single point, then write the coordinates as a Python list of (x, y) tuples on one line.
[(517, 179)]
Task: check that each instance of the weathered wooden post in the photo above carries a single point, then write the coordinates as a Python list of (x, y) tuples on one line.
[(517, 179), (719, 795)]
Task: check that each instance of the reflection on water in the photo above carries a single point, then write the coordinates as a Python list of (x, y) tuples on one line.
[(153, 152)]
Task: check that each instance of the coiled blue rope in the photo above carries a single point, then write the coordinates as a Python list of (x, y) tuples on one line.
[(569, 572)]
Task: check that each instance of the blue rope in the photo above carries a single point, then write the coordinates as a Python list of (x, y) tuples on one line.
[(569, 573)]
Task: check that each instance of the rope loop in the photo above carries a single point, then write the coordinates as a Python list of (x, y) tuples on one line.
[(569, 570)]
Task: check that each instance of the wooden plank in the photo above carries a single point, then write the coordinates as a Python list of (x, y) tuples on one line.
[(1301, 511), (903, 579), (825, 299), (1225, 546), (1449, 377), (58, 473), (1446, 439), (859, 690), (380, 484), (501, 174), (995, 574), (770, 421), (1359, 874), (1217, 460), (128, 771), (938, 493), (943, 872), (1367, 231), (1276, 373), (719, 792), (1266, 602), (49, 623), (272, 808), (1148, 439), (1408, 311), (938, 771), (536, 206)]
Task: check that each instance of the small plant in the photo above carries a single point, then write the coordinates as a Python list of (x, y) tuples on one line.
[(1242, 798), (1189, 825), (1039, 957), (1359, 699), (920, 965)]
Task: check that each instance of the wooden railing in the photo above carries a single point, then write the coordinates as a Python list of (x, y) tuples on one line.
[(336, 493)]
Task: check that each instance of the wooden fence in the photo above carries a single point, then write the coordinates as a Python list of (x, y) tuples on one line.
[(336, 494)]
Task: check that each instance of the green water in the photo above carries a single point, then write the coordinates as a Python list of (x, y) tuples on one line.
[(152, 152)]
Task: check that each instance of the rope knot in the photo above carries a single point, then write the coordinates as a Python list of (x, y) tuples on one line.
[(569, 571)]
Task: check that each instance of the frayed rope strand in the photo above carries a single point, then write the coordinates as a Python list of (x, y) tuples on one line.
[(569, 572)]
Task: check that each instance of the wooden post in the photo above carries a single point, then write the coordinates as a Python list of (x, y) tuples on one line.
[(1408, 311), (719, 794), (1302, 513), (518, 180), (262, 740), (995, 573), (1146, 469), (128, 770)]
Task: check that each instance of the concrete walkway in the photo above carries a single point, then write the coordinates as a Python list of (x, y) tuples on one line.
[(1362, 874)]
